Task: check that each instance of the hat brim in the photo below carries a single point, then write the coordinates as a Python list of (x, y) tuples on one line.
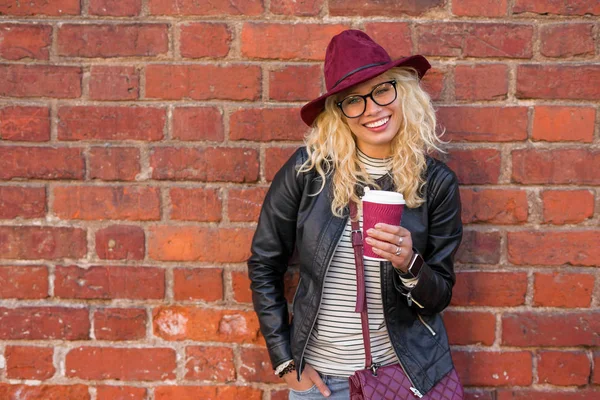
[(311, 110)]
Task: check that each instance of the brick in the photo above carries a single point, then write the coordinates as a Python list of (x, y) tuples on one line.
[(479, 368), (23, 282), (433, 83), (114, 163), (51, 8), (483, 124), (581, 206), (302, 41), (44, 392), (563, 329), (563, 368), (19, 41), (479, 8), (386, 8), (556, 166), (44, 323), (563, 124), (107, 202), (305, 8), (573, 247), (208, 363), (56, 81), (256, 366), (476, 166), (22, 202), (395, 37), (596, 373), (41, 163), (120, 324), (195, 204), (241, 285), (280, 394), (37, 242), (579, 7), (203, 39), (121, 242), (481, 82), (560, 289), (207, 393), (115, 8), (197, 164), (203, 82), (295, 83), (461, 39), (114, 83), (521, 394), (111, 123), (267, 124), (198, 123), (205, 324), (245, 204), (494, 206), (567, 40), (120, 393), (114, 40), (28, 362), (479, 247), (466, 328), (209, 8), (100, 282), (190, 243), (471, 394), (198, 284), (275, 157), (558, 82), (128, 364), (496, 289), (25, 124)]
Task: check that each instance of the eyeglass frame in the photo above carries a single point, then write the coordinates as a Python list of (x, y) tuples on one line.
[(370, 95)]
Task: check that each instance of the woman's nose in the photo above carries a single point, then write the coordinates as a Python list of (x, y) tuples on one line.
[(371, 107)]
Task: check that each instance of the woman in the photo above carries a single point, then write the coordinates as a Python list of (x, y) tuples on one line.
[(373, 127)]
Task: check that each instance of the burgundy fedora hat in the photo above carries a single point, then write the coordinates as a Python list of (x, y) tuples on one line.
[(353, 57)]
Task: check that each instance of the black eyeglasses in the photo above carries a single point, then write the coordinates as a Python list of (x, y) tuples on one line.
[(383, 94)]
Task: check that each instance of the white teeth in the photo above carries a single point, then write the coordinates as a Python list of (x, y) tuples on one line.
[(377, 123)]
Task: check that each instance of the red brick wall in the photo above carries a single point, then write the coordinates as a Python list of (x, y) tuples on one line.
[(138, 137)]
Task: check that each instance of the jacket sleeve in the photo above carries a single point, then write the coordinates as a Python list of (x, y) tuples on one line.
[(433, 292), (272, 247)]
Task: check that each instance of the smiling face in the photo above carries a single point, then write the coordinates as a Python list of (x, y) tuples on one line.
[(378, 125)]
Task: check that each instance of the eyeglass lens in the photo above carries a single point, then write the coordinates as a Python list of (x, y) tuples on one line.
[(355, 106)]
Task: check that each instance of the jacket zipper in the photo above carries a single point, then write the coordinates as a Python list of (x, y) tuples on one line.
[(426, 325)]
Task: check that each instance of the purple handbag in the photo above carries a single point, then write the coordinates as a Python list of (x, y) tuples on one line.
[(388, 382)]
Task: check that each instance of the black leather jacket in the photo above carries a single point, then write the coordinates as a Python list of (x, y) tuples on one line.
[(297, 227)]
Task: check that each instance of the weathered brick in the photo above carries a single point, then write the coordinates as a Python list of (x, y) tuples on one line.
[(556, 166), (581, 206), (552, 81), (51, 8), (563, 368), (22, 202), (198, 284), (483, 124), (496, 289), (302, 41), (574, 247), (256, 366), (478, 368), (479, 247), (480, 8), (28, 362), (44, 392), (198, 164), (44, 323), (18, 41), (114, 163), (578, 7), (209, 8), (205, 40), (120, 242), (135, 364), (295, 83), (198, 123), (304, 8), (114, 83), (494, 206), (203, 82), (275, 157), (245, 204), (560, 289), (56, 81), (563, 124), (120, 393), (189, 243), (25, 124), (523, 394), (465, 328), (476, 166), (482, 82), (115, 8), (207, 393), (596, 373), (395, 37), (210, 363), (567, 40), (99, 282), (120, 324), (195, 204), (267, 124), (41, 163), (433, 83), (23, 282), (111, 123), (37, 242), (382, 7)]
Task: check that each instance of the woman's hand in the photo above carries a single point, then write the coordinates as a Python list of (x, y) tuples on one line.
[(309, 378), (394, 243)]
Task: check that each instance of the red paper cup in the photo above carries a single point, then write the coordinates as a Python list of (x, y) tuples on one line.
[(380, 206)]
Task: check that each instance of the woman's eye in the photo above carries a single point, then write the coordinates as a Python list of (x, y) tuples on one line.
[(353, 100), (380, 91)]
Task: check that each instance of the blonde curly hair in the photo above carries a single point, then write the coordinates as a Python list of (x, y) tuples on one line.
[(332, 147)]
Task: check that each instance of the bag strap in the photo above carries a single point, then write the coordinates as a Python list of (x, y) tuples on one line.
[(361, 296)]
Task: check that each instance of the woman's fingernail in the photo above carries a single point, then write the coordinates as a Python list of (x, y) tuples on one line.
[(369, 240), (327, 393)]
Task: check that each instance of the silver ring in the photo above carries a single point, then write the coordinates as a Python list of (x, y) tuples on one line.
[(400, 240), (398, 250)]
